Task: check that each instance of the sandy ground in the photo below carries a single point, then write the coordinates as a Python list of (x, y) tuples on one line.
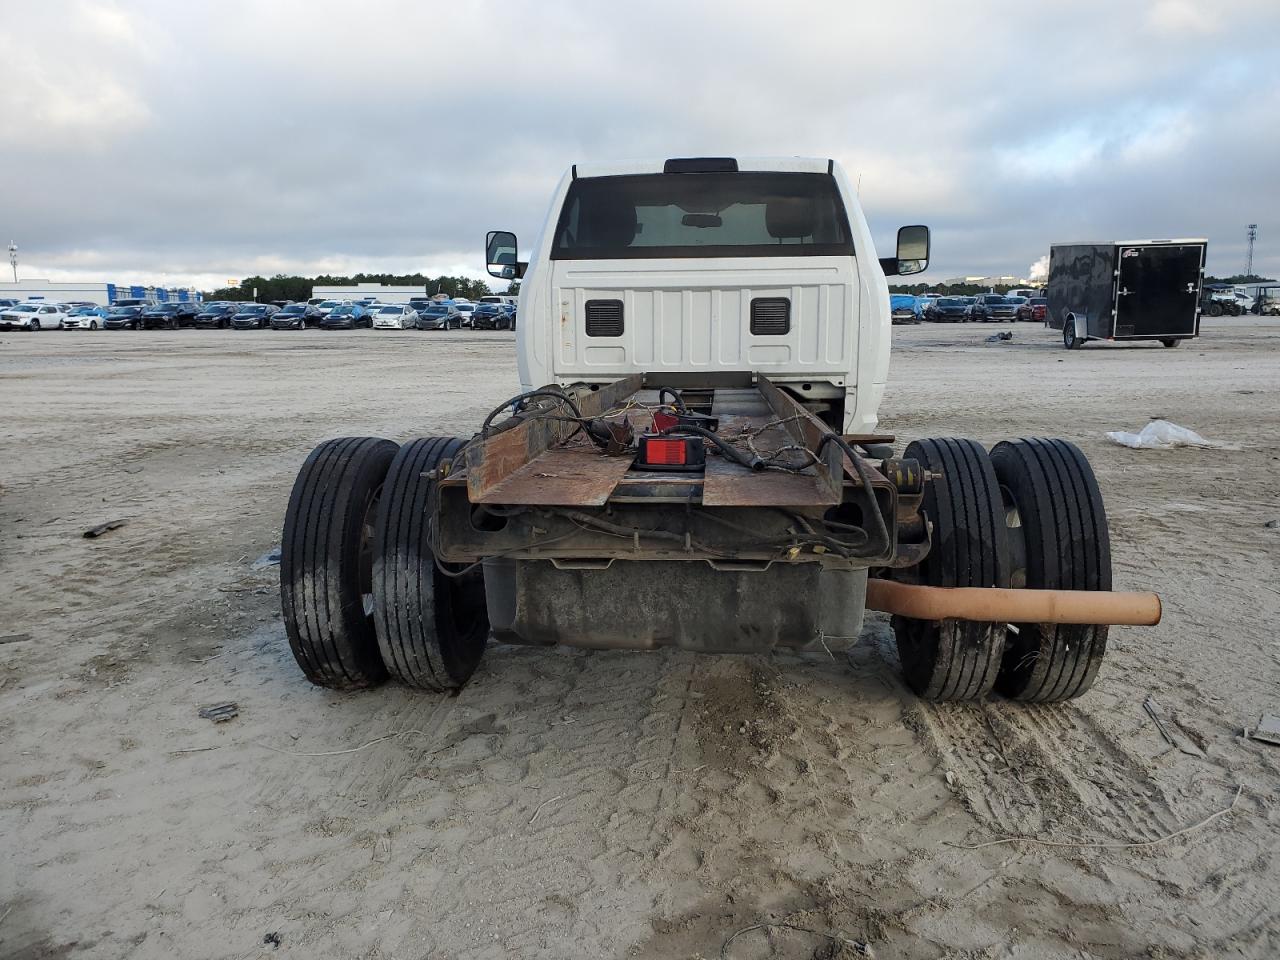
[(574, 804)]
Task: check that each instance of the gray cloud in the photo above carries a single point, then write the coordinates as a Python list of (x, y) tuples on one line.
[(148, 139)]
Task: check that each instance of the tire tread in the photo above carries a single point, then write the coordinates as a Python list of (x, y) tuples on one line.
[(1068, 548)]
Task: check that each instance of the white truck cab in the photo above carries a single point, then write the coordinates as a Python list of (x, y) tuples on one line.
[(704, 267)]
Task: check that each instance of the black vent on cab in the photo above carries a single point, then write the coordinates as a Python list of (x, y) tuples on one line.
[(770, 316), (604, 318), (701, 165)]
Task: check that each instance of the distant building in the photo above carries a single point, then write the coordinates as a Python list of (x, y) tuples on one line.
[(101, 293), (359, 291), (995, 281)]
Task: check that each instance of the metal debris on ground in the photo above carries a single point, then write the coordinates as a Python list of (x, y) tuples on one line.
[(1000, 337), (220, 712), (94, 532), (1268, 730), (1169, 728), (272, 939), (269, 559)]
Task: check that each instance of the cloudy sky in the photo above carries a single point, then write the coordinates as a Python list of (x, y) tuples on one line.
[(146, 140)]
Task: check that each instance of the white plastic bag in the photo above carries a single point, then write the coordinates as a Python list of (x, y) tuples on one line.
[(1162, 435)]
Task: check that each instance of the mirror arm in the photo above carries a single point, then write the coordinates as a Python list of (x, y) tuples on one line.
[(521, 267), (889, 265)]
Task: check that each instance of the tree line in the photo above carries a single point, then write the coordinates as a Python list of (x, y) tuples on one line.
[(281, 287), (973, 289), (1239, 278), (949, 289)]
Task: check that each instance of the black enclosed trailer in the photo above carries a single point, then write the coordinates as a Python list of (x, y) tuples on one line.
[(1126, 290)]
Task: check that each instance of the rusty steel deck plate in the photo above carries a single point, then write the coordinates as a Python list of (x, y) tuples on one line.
[(730, 485), (576, 476), (513, 448)]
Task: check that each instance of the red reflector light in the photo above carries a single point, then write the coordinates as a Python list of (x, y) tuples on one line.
[(679, 453), (666, 452)]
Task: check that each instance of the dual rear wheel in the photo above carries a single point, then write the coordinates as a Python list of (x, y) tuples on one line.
[(1029, 514), (362, 593)]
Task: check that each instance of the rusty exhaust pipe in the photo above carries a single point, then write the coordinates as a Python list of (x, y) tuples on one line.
[(993, 605)]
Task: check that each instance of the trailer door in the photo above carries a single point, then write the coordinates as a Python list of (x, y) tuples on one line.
[(1158, 293)]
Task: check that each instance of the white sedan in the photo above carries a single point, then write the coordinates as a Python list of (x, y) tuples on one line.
[(466, 312), (34, 315), (394, 316)]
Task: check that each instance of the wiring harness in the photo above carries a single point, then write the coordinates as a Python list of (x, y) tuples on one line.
[(819, 535)]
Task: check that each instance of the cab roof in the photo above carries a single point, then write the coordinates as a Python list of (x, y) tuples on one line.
[(703, 165)]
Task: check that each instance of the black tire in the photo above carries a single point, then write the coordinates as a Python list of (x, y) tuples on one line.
[(1062, 521), (1170, 341), (1069, 338), (432, 628), (35, 326), (326, 562), (1215, 309), (956, 659)]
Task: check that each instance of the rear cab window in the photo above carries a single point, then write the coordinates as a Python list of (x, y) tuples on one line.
[(661, 216)]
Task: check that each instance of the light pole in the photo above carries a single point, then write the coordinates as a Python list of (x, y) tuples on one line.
[(13, 259)]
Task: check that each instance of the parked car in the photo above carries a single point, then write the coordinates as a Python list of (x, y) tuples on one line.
[(947, 310), (492, 315), (123, 317), (7, 302), (347, 316), (88, 317), (993, 306), (34, 315), (254, 316), (1033, 308), (903, 308), (324, 306), (296, 316), (217, 315), (395, 316), (169, 316), (440, 315), (466, 312), (1017, 302)]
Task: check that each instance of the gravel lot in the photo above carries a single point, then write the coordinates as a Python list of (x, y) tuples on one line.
[(576, 804)]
